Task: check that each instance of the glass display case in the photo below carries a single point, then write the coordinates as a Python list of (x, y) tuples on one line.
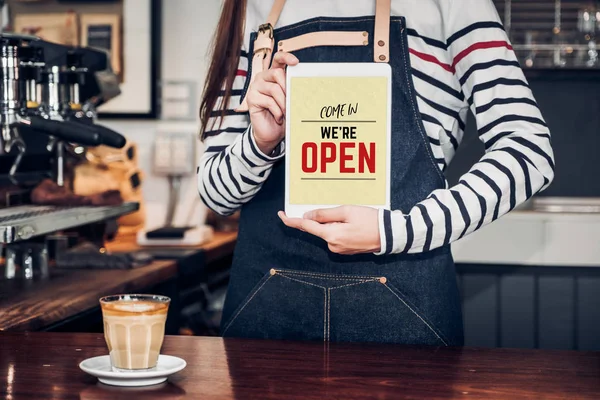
[(553, 34)]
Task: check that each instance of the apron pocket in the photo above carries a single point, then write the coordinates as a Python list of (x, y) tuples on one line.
[(280, 307), (375, 311)]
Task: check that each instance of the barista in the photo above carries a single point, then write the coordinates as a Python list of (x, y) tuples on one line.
[(355, 273)]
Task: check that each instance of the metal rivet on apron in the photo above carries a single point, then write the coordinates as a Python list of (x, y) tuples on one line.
[(383, 280), (280, 44), (382, 57), (366, 42), (365, 33), (272, 271), (381, 43)]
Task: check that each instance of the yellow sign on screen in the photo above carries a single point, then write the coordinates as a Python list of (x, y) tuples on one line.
[(338, 140)]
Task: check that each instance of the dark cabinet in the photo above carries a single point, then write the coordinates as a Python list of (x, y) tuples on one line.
[(531, 307)]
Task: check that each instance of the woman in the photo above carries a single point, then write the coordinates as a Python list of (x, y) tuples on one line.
[(355, 273)]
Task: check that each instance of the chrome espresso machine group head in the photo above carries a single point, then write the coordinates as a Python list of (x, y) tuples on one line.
[(53, 90)]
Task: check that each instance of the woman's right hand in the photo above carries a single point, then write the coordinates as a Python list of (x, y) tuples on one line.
[(266, 103)]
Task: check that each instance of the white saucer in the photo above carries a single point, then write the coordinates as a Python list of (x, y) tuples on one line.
[(100, 368)]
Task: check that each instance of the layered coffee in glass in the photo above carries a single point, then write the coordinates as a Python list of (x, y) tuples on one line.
[(134, 329)]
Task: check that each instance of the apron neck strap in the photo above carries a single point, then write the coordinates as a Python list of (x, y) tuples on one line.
[(381, 50), (275, 12)]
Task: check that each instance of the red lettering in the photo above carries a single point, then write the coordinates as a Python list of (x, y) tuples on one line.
[(346, 157), (327, 159), (365, 158), (317, 159), (313, 157)]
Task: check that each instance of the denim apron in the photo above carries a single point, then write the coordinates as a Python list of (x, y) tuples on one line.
[(286, 284)]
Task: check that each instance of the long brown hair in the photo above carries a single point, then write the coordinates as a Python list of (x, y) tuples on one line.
[(225, 55)]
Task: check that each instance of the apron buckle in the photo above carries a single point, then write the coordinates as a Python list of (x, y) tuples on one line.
[(265, 38), (264, 28)]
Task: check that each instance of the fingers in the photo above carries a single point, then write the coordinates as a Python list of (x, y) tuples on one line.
[(327, 215), (283, 59), (275, 76), (276, 73), (268, 91), (333, 234), (272, 90), (306, 225), (263, 102), (346, 229), (329, 233)]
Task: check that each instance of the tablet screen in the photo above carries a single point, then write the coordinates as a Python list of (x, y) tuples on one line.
[(338, 141)]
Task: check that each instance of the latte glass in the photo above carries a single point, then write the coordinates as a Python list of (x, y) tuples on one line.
[(134, 329)]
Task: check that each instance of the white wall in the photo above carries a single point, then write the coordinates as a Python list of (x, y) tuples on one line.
[(187, 30), (188, 27)]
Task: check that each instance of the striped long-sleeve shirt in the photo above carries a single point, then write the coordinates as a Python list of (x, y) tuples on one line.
[(461, 59)]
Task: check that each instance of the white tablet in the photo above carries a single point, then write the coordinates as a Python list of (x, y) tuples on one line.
[(338, 136)]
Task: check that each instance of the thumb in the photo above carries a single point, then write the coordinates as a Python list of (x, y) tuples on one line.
[(327, 215), (283, 59)]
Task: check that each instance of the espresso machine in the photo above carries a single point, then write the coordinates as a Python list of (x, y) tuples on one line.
[(48, 102)]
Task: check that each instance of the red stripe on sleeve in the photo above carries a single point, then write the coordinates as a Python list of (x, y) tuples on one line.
[(478, 46), (432, 59), (241, 72)]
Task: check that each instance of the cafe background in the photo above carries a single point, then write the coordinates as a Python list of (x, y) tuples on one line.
[(530, 280)]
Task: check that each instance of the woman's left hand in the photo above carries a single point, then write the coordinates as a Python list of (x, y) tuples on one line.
[(346, 229)]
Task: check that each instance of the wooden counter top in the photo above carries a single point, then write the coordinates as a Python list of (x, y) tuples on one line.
[(32, 305), (44, 365)]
